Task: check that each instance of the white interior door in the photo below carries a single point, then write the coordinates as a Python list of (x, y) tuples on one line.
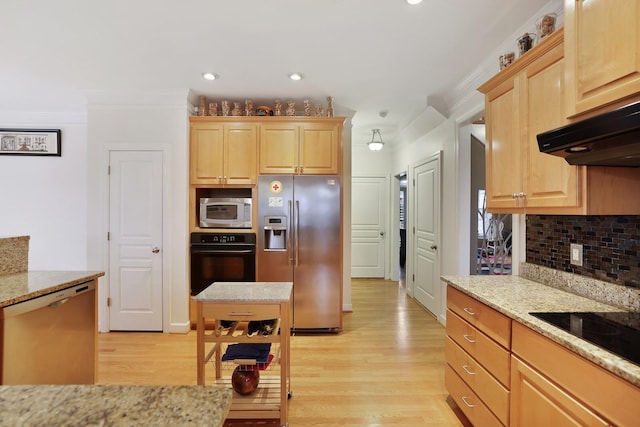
[(426, 220), (368, 221), (135, 229)]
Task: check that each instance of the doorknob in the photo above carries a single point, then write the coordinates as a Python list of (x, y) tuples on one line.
[(155, 250), (382, 233), (434, 247)]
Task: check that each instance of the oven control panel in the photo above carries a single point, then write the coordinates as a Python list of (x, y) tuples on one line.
[(223, 238)]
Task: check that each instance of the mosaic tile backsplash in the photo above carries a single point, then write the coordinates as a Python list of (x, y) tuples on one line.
[(611, 245)]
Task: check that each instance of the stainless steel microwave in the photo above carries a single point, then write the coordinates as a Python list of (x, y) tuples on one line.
[(225, 212)]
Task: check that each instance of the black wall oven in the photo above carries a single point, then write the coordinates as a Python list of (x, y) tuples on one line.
[(222, 257)]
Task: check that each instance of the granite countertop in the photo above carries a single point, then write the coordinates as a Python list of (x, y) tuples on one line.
[(246, 292), (516, 297), (113, 405), (18, 287)]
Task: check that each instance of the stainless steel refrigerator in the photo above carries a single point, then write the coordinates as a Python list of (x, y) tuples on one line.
[(299, 241)]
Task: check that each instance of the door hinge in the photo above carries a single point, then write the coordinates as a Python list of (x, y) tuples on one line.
[(109, 170), (413, 277), (108, 235), (108, 301), (414, 230)]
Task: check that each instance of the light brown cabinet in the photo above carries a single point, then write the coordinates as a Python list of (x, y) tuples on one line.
[(477, 352), (519, 105), (303, 146), (602, 52), (551, 385), (526, 99), (223, 153)]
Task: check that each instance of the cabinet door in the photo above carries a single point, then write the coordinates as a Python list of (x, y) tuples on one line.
[(279, 148), (536, 401), (504, 153), (549, 180), (207, 161), (240, 154), (603, 52), (319, 149)]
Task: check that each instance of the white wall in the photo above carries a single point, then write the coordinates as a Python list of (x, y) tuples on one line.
[(45, 197), (157, 121)]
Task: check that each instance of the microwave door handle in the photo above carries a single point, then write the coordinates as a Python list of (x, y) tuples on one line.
[(297, 230)]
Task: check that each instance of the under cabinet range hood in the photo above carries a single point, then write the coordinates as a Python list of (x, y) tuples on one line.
[(610, 139)]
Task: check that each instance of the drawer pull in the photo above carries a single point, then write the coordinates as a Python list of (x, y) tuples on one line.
[(464, 399), (466, 369), (469, 311), (469, 338)]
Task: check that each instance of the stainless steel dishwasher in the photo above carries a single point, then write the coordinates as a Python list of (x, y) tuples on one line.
[(51, 339)]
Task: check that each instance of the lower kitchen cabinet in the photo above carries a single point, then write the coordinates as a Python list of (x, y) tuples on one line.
[(553, 386), (536, 401), (470, 404), (477, 352), (476, 377)]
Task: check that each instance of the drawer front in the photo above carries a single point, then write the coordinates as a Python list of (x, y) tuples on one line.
[(487, 388), (240, 311), (487, 352), (468, 401), (494, 324)]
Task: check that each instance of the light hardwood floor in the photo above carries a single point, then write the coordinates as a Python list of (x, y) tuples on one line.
[(386, 368)]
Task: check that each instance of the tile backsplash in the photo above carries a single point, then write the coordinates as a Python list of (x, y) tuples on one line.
[(611, 245)]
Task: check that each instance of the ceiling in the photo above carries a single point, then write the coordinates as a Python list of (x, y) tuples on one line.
[(371, 56)]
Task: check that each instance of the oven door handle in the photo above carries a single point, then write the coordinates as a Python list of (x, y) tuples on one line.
[(213, 251)]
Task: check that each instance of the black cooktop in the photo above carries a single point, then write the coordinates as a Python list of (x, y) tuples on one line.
[(617, 332)]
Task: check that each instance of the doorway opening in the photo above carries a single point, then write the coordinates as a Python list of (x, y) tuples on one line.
[(402, 210), (490, 244)]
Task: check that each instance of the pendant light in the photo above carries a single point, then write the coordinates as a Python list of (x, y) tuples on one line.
[(375, 144)]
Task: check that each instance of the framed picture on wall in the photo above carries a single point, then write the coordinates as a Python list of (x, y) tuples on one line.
[(30, 142)]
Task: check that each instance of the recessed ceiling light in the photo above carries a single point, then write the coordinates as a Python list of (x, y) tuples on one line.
[(412, 2), (209, 76), (295, 76)]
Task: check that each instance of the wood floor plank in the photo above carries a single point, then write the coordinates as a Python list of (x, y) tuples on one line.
[(386, 368)]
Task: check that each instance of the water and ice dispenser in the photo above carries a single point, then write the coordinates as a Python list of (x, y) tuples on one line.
[(275, 233)]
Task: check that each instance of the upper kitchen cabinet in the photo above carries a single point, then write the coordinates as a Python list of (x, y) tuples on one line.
[(522, 101), (602, 52), (526, 99), (309, 146), (223, 153)]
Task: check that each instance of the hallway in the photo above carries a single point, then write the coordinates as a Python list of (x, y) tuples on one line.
[(385, 369)]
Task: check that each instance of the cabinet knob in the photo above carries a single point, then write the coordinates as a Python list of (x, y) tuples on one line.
[(155, 250), (514, 195)]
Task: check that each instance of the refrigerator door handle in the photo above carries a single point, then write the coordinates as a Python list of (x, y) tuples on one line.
[(290, 239), (297, 230)]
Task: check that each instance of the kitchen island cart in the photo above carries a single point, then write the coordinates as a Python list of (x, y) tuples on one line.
[(233, 315)]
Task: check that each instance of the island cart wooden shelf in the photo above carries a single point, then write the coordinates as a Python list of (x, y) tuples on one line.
[(230, 307)]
